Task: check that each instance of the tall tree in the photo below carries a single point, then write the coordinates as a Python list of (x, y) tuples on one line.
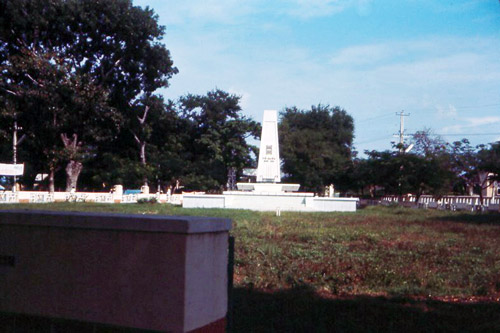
[(402, 173), (85, 51), (217, 138), (489, 165), (60, 102), (489, 160), (316, 145), (427, 144), (141, 157), (142, 127), (465, 165)]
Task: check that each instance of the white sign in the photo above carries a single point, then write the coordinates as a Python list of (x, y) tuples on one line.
[(11, 169)]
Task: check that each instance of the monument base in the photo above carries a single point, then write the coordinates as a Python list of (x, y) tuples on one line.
[(298, 202)]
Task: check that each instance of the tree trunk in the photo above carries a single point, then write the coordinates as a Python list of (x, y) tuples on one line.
[(73, 169), (142, 143), (51, 180), (143, 160), (142, 156), (143, 153), (417, 197)]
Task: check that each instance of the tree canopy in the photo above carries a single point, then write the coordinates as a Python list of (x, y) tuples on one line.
[(316, 145), (433, 167), (216, 138), (73, 71)]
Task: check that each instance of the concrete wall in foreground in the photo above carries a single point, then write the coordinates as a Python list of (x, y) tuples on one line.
[(146, 272)]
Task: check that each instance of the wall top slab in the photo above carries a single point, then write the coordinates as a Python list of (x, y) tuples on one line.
[(118, 222)]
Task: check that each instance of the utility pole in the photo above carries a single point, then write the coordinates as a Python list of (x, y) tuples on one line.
[(14, 155), (401, 147), (15, 143), (401, 129)]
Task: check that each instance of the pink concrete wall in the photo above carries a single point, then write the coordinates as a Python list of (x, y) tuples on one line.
[(137, 271), (203, 264)]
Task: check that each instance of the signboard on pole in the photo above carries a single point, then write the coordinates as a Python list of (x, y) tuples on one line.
[(11, 169)]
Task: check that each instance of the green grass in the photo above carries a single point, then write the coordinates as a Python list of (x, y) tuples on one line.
[(405, 266), (376, 251)]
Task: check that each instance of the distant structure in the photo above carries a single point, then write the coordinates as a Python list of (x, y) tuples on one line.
[(268, 168), (268, 193)]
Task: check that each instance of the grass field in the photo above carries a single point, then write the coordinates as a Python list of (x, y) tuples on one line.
[(382, 268)]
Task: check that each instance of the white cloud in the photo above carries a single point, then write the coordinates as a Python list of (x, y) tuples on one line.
[(452, 129), (480, 121), (472, 123), (362, 55), (306, 9), (201, 11), (455, 6), (313, 8), (440, 50), (244, 97), (174, 12), (446, 112)]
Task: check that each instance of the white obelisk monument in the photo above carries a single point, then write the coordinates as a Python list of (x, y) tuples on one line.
[(268, 167)]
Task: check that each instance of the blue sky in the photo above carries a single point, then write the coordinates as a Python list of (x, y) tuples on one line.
[(437, 60)]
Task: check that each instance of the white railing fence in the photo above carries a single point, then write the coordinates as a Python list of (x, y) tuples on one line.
[(451, 202), (98, 197)]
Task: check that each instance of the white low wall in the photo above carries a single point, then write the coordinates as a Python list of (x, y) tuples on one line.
[(8, 197), (99, 197), (138, 271), (203, 201), (270, 202), (265, 202), (259, 201), (333, 204)]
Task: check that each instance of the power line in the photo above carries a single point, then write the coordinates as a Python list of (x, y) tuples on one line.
[(476, 106), (432, 110), (376, 117), (468, 134), (451, 134), (385, 137), (402, 134)]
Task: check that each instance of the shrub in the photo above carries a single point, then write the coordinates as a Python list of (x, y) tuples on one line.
[(151, 200)]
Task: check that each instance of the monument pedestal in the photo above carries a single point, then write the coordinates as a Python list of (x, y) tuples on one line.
[(268, 187), (295, 201)]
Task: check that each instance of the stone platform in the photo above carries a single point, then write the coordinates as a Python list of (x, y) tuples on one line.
[(299, 202), (89, 271)]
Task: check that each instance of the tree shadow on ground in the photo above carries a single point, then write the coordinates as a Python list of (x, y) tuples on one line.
[(302, 310), (492, 218)]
